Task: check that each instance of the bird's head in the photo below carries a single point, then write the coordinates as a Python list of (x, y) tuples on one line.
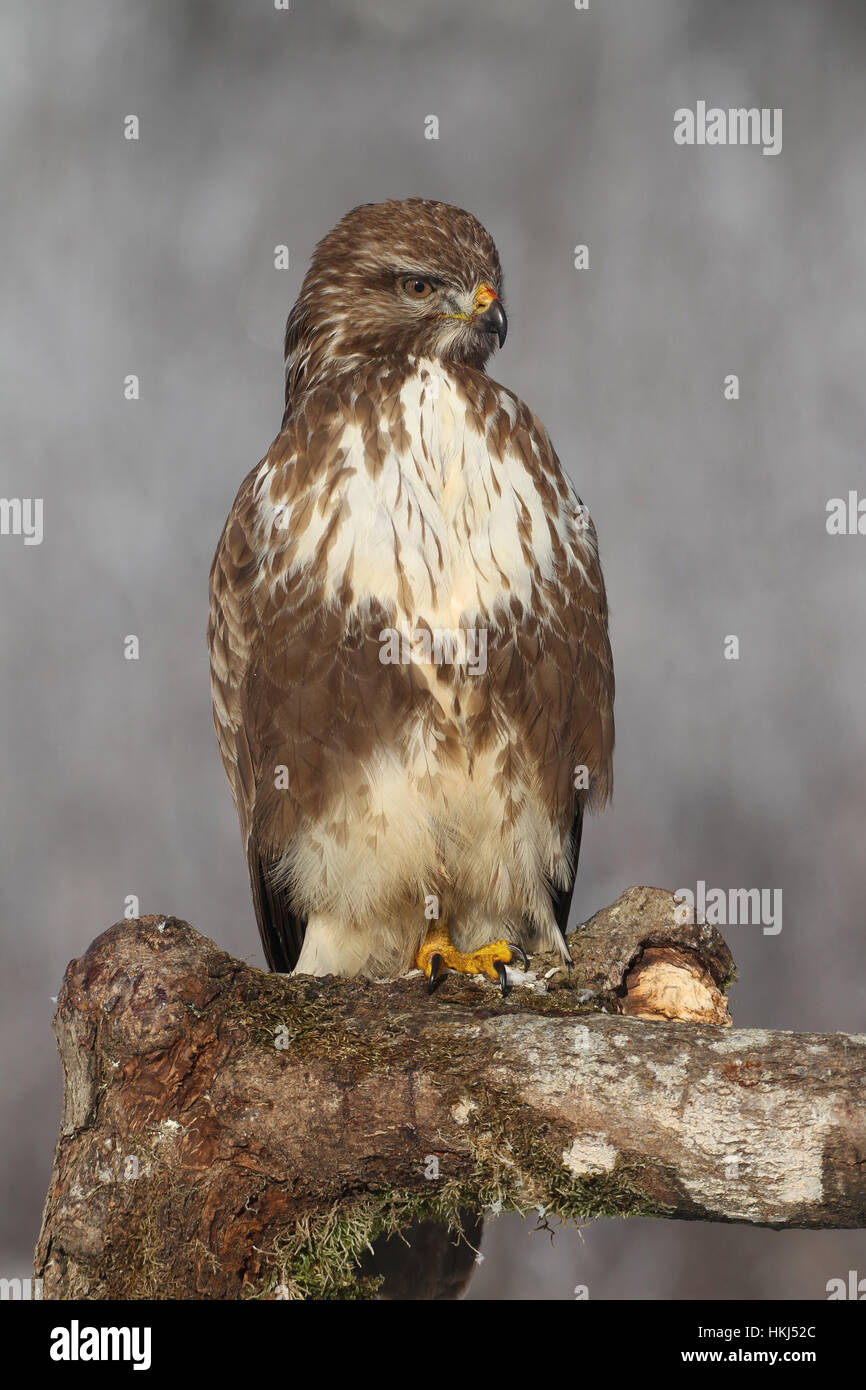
[(398, 278)]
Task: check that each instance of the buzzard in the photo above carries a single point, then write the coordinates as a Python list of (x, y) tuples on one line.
[(412, 679)]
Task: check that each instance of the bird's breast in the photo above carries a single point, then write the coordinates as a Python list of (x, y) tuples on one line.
[(435, 507), (448, 526)]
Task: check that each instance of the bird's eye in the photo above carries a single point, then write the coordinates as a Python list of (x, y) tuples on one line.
[(416, 288)]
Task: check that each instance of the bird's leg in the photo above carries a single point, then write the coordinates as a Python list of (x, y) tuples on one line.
[(438, 954)]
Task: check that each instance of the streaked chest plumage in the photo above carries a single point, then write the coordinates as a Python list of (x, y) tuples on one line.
[(446, 521)]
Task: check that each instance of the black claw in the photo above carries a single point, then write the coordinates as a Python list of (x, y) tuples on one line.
[(519, 951), (435, 966), (503, 977)]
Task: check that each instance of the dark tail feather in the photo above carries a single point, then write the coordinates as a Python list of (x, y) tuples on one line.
[(561, 897), (281, 929)]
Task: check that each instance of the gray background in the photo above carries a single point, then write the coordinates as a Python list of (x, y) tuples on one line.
[(556, 127)]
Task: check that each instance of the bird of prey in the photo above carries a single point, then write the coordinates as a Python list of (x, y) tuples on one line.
[(412, 679)]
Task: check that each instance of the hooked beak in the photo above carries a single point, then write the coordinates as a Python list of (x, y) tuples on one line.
[(489, 314)]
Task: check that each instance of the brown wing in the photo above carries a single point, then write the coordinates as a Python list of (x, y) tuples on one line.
[(590, 723), (235, 636)]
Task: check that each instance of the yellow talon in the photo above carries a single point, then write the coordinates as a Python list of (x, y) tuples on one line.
[(481, 962)]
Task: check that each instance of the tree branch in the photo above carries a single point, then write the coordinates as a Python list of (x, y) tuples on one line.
[(228, 1133)]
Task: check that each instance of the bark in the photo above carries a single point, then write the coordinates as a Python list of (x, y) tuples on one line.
[(228, 1133)]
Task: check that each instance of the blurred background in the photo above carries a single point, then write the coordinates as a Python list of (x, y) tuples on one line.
[(261, 127)]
